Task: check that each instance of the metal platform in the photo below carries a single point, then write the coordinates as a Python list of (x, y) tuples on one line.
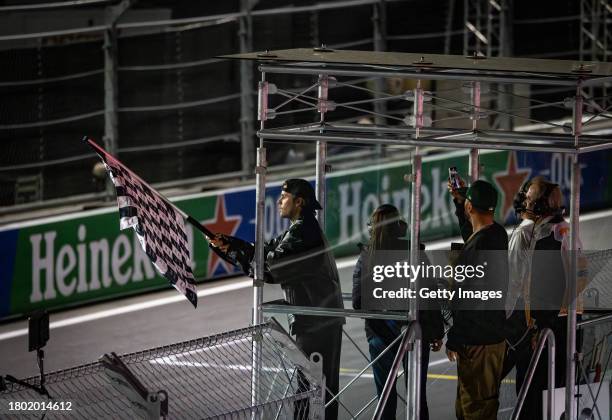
[(431, 66), (328, 65)]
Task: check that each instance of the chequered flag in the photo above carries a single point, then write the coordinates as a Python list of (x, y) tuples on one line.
[(160, 228)]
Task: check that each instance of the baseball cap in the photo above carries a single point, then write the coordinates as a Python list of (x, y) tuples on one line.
[(482, 195), (302, 188)]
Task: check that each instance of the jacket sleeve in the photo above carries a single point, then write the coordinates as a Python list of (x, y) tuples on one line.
[(464, 224), (357, 283), (287, 256), (240, 253)]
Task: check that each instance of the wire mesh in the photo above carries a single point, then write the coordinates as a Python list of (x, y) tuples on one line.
[(205, 378), (594, 368), (598, 291)]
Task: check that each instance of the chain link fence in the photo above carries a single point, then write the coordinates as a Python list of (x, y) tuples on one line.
[(206, 378)]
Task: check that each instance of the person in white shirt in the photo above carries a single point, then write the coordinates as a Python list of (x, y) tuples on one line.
[(537, 260)]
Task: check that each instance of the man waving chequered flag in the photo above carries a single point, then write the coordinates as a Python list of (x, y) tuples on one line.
[(158, 224)]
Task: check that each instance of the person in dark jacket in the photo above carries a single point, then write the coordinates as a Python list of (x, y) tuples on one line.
[(476, 341), (386, 229), (301, 261)]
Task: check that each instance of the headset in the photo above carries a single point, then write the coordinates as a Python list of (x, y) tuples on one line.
[(541, 206), (519, 199)]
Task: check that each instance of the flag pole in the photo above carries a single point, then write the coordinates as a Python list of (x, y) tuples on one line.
[(189, 219)]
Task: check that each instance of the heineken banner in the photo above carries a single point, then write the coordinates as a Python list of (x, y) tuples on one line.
[(79, 258)]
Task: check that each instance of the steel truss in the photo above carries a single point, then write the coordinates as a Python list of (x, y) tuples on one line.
[(327, 67), (487, 32), (596, 39)]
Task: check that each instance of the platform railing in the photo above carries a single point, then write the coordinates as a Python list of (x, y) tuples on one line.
[(546, 337)]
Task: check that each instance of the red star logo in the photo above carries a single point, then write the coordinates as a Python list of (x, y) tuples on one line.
[(221, 223), (510, 182)]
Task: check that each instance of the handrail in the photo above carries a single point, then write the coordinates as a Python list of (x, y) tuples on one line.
[(546, 336), (347, 386), (413, 334), (596, 320), (344, 313)]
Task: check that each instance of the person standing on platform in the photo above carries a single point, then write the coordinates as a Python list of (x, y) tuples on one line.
[(386, 232), (536, 293), (476, 340), (301, 261)]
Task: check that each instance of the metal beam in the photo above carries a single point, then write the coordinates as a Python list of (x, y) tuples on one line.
[(111, 100), (247, 130), (424, 74), (481, 142)]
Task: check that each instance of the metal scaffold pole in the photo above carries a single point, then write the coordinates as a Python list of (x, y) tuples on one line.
[(245, 34), (413, 390), (474, 161), (111, 125), (570, 373), (258, 280), (321, 163), (379, 21)]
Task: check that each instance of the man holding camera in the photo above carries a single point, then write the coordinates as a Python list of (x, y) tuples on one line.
[(476, 340)]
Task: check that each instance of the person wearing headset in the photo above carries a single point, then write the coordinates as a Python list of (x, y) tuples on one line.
[(536, 290), (386, 230)]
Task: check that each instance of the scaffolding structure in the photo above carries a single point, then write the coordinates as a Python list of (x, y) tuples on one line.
[(111, 112), (487, 28), (111, 66), (596, 39), (327, 66)]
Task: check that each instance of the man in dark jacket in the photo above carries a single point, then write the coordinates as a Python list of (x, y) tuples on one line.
[(301, 261), (476, 340)]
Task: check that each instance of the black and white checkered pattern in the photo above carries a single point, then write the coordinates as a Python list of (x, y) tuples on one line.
[(160, 228)]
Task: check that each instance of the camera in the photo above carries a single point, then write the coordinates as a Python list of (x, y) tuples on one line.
[(453, 177)]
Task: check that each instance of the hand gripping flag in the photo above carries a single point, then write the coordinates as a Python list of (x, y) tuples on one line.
[(159, 226)]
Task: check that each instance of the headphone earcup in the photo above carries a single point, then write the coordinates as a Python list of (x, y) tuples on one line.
[(520, 197), (519, 202)]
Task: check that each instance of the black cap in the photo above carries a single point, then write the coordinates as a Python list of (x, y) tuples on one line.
[(302, 188), (482, 195)]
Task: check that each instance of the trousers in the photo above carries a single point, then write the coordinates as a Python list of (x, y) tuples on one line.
[(328, 342), (479, 371)]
